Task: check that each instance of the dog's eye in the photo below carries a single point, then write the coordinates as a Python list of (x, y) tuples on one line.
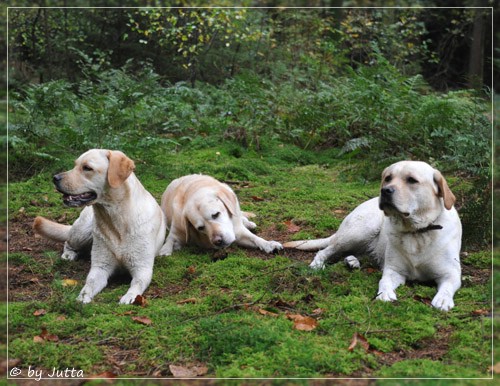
[(412, 180), (215, 215), (87, 168), (201, 228), (388, 178)]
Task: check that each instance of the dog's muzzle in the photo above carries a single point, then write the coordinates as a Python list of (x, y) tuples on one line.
[(70, 199), (386, 202), (219, 242)]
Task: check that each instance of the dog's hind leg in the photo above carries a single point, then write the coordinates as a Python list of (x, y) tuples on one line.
[(80, 235), (248, 224), (77, 238)]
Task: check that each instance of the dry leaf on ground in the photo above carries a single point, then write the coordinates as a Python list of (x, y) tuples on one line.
[(303, 323), (358, 339), (481, 312), (69, 282), (291, 227), (188, 372), (45, 336), (39, 312), (268, 313), (142, 320), (140, 301)]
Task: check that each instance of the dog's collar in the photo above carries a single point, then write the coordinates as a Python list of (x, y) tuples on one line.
[(431, 227)]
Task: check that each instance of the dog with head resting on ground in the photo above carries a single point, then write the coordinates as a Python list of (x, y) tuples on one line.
[(204, 212), (122, 223), (412, 229)]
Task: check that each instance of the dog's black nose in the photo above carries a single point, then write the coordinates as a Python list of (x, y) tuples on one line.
[(57, 178), (218, 241), (387, 191)]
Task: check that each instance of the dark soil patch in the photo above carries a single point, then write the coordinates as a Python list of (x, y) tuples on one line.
[(432, 348), (23, 283), (23, 239)]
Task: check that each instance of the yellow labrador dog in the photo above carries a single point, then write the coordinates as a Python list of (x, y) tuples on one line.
[(122, 222), (205, 212), (412, 229)]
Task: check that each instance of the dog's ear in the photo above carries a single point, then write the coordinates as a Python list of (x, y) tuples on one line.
[(184, 226), (443, 190), (120, 168), (229, 200)]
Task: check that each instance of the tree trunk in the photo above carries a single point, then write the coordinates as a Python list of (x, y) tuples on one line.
[(476, 53)]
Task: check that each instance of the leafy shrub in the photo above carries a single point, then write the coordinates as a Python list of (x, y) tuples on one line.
[(375, 112)]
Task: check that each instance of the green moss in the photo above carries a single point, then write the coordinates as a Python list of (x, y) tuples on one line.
[(221, 325)]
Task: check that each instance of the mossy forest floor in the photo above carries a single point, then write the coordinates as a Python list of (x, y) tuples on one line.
[(242, 313)]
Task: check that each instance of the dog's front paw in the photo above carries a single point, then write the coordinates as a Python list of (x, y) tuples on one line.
[(443, 302), (316, 264), (387, 296), (319, 260), (352, 262), (166, 250), (272, 246), (250, 225), (84, 297), (128, 298)]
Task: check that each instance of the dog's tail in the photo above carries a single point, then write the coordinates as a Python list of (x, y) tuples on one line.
[(50, 229), (309, 245)]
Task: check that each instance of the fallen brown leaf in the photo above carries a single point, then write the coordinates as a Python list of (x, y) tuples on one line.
[(257, 199), (140, 301), (142, 320), (188, 372), (69, 282), (291, 227), (481, 312), (268, 313), (45, 336), (127, 313), (358, 339), (303, 323), (38, 339), (40, 312), (52, 338)]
